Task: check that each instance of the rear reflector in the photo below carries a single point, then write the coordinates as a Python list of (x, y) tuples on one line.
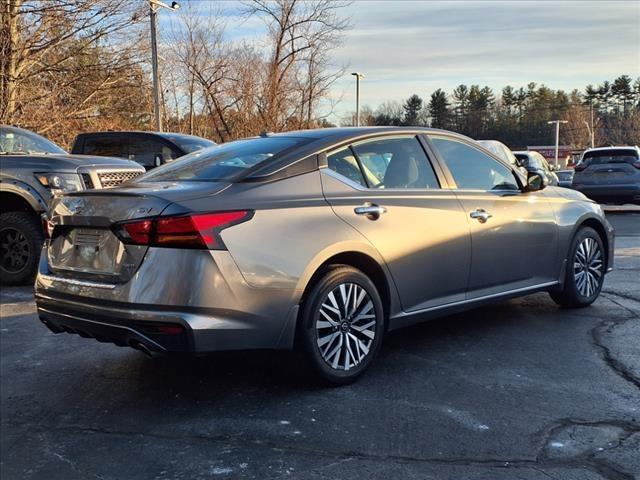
[(201, 230)]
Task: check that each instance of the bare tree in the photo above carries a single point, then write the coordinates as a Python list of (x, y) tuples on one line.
[(62, 59), (299, 31)]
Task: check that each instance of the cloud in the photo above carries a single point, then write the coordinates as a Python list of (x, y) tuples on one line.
[(415, 47)]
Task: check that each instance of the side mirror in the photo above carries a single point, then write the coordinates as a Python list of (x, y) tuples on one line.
[(535, 181)]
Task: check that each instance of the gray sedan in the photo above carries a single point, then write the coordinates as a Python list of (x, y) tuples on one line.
[(322, 239)]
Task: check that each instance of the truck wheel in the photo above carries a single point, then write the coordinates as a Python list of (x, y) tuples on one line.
[(20, 245)]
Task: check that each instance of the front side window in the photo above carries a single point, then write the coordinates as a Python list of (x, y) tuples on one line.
[(398, 162), (472, 169)]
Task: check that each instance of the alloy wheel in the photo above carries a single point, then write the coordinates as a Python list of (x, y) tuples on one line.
[(14, 250), (346, 326), (587, 267)]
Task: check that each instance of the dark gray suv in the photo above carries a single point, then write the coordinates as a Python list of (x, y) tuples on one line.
[(609, 174), (33, 171)]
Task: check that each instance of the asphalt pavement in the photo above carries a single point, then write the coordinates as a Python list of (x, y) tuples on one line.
[(520, 389)]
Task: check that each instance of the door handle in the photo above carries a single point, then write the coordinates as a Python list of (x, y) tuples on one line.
[(370, 210), (481, 215)]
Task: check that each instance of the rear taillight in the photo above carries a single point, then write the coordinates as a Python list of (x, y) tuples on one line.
[(637, 164), (201, 230)]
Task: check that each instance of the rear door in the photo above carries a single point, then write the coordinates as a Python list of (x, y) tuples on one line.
[(388, 190), (513, 234)]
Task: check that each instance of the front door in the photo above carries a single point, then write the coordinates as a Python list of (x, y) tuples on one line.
[(513, 234), (386, 188)]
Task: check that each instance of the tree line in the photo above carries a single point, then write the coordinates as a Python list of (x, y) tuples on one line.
[(68, 66), (518, 116)]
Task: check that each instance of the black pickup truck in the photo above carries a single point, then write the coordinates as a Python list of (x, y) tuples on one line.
[(149, 149), (32, 171)]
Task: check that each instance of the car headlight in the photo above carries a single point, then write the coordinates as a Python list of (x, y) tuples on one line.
[(60, 182)]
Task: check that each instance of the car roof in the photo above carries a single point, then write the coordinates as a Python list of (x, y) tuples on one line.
[(613, 147), (338, 134)]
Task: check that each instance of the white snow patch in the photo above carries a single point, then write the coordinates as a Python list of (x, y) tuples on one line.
[(221, 470), (284, 422), (557, 444)]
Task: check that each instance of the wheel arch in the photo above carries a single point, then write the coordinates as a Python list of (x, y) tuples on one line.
[(22, 198), (368, 262), (600, 229)]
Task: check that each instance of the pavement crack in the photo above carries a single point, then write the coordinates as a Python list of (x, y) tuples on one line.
[(613, 363)]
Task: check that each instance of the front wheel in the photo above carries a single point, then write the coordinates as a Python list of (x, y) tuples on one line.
[(585, 271), (20, 245), (342, 325)]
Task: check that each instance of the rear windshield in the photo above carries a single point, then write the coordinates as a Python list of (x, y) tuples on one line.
[(189, 143), (601, 157), (223, 162)]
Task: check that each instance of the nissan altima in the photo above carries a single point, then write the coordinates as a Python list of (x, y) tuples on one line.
[(320, 239)]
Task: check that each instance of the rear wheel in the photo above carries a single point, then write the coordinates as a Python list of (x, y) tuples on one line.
[(585, 271), (20, 244), (342, 325)]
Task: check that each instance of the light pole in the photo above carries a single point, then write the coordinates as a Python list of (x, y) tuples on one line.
[(154, 6), (358, 76), (591, 139), (557, 122)]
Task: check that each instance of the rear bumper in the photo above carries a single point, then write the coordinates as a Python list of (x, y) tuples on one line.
[(190, 330), (628, 191), (201, 294)]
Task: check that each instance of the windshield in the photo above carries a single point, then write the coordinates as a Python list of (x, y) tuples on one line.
[(17, 141), (601, 157), (500, 150), (190, 143), (222, 162)]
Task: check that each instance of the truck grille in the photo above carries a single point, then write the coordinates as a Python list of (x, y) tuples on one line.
[(111, 179), (86, 179)]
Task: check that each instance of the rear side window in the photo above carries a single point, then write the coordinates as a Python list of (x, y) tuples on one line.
[(601, 157), (344, 163), (223, 162), (145, 150), (396, 162), (105, 146)]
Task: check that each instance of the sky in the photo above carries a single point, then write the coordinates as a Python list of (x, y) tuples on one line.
[(407, 47)]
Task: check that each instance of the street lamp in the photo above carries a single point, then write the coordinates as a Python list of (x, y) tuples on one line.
[(358, 76), (154, 6), (557, 122)]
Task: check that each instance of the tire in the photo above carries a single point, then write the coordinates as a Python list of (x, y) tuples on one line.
[(339, 347), (20, 244), (585, 271)]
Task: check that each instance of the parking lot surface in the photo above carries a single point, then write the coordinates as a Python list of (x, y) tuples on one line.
[(520, 389)]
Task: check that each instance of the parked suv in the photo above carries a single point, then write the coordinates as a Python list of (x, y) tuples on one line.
[(609, 174), (149, 149), (33, 171), (535, 162)]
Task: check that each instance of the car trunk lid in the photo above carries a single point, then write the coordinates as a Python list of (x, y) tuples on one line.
[(83, 244)]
